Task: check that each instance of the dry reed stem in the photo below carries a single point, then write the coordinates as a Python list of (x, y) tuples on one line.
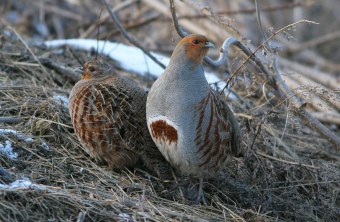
[(128, 37)]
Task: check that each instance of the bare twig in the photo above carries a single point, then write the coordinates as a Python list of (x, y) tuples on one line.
[(311, 57), (61, 12), (137, 23), (258, 16), (324, 78), (268, 8), (67, 72), (10, 119), (189, 25), (306, 117), (128, 37), (315, 101), (28, 48), (285, 161), (328, 96), (296, 102), (252, 56), (225, 23), (178, 28), (105, 17), (317, 41), (327, 117)]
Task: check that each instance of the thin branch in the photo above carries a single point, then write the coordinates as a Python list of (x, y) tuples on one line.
[(317, 103), (67, 72), (327, 96), (305, 116), (258, 16), (137, 23), (253, 56), (250, 10), (317, 41), (105, 17), (10, 119), (162, 7), (324, 78), (332, 118), (29, 49), (128, 37), (225, 23), (286, 161), (178, 28)]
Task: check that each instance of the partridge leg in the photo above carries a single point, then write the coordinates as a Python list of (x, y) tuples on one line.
[(200, 197), (157, 164)]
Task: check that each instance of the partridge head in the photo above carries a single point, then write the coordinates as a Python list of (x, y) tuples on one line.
[(192, 126), (108, 115)]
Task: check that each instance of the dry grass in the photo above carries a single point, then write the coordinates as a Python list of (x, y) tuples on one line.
[(289, 174)]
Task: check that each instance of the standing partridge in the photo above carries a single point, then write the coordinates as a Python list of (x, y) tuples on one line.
[(192, 126), (108, 116)]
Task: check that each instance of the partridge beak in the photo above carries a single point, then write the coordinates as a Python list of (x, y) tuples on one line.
[(79, 70), (209, 44)]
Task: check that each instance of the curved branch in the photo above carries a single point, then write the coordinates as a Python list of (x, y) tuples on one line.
[(128, 37), (222, 59), (181, 32)]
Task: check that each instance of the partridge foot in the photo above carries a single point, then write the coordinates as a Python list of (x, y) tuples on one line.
[(201, 197)]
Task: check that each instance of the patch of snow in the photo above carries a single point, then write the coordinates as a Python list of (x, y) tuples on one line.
[(26, 184), (130, 58), (16, 134), (28, 139), (62, 100), (45, 146), (82, 170), (124, 217), (8, 150), (20, 184)]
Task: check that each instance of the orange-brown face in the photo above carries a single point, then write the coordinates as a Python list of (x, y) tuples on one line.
[(89, 69), (94, 69), (196, 47)]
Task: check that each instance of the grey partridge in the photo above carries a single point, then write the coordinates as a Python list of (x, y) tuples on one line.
[(108, 116), (192, 126)]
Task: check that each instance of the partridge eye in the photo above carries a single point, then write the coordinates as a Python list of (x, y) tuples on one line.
[(92, 69), (196, 41)]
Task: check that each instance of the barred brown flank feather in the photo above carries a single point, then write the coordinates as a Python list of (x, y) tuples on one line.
[(212, 150), (201, 109), (207, 142)]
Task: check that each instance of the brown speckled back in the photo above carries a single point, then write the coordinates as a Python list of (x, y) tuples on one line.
[(108, 116)]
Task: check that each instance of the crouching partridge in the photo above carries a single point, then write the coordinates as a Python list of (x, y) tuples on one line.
[(108, 116), (192, 126)]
